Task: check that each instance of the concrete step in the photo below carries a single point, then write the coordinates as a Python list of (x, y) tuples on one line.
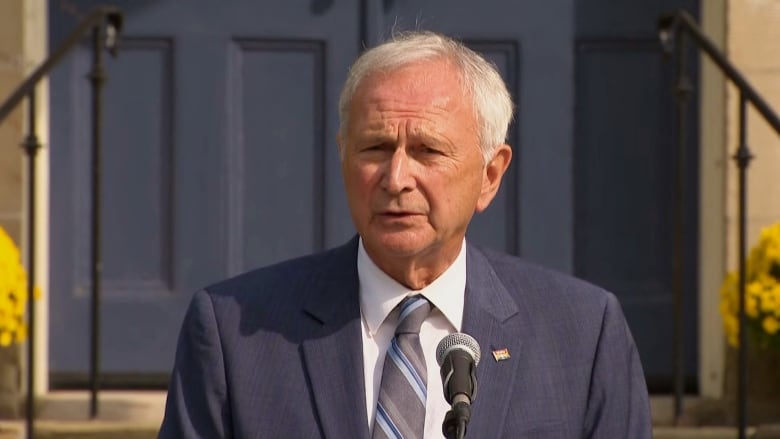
[(137, 415), (98, 431), (113, 430), (65, 415), (93, 430), (664, 432), (104, 430)]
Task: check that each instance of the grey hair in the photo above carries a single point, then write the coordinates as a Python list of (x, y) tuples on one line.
[(481, 81)]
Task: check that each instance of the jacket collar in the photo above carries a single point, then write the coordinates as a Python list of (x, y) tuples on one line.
[(333, 357)]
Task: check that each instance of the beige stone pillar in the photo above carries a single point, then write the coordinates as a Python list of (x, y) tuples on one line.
[(754, 46), (713, 161), (23, 46), (12, 68)]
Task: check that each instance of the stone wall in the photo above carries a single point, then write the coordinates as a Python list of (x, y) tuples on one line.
[(13, 66), (12, 69), (753, 44)]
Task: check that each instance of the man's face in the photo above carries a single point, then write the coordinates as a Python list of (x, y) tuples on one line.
[(412, 166)]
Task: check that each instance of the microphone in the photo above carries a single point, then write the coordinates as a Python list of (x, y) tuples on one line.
[(458, 356)]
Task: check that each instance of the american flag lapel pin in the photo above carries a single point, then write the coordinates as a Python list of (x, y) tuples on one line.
[(501, 354)]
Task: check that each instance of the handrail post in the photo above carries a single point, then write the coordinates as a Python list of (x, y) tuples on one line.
[(742, 159), (682, 94), (672, 40), (97, 79), (31, 146)]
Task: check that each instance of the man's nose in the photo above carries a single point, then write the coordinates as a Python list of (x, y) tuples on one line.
[(398, 176)]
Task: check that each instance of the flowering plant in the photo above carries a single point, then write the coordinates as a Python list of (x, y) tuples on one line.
[(13, 293), (762, 294)]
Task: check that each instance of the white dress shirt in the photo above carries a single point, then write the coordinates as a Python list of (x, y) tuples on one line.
[(379, 295)]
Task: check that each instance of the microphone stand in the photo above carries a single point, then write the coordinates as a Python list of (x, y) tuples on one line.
[(455, 421)]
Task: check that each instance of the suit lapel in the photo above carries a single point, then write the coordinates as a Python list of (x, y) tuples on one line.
[(493, 317), (334, 356)]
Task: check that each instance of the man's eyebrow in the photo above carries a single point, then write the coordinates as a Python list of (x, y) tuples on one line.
[(427, 137), (379, 136)]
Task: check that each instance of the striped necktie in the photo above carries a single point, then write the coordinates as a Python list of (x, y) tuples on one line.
[(400, 409)]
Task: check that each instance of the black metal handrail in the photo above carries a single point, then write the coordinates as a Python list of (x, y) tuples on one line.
[(105, 23), (100, 15), (673, 28)]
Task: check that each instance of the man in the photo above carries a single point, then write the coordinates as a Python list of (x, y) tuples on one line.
[(298, 350)]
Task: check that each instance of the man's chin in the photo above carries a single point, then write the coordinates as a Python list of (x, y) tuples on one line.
[(400, 246)]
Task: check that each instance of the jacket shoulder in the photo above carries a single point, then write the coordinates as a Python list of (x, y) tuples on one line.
[(284, 287), (544, 288)]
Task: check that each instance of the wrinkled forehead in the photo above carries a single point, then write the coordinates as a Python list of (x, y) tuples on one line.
[(425, 83)]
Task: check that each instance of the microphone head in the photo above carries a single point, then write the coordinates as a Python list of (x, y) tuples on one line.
[(457, 342)]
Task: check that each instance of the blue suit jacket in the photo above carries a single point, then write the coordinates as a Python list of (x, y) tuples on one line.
[(277, 353)]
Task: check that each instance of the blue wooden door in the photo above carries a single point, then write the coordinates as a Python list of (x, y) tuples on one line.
[(220, 155)]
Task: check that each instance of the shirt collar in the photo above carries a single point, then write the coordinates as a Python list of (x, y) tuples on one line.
[(380, 294)]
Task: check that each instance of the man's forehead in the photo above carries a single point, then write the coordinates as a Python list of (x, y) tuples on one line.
[(424, 96), (427, 77)]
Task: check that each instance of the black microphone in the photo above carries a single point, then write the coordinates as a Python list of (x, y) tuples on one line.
[(458, 356)]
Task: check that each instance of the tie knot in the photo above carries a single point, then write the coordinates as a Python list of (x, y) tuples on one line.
[(414, 310)]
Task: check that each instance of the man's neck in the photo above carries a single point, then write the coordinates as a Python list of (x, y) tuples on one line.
[(419, 271)]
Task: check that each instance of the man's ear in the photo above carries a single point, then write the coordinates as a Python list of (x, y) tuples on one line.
[(340, 146), (492, 175)]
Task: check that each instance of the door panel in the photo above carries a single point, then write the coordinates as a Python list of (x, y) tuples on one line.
[(282, 142)]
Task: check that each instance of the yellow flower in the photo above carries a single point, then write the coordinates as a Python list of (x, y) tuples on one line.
[(771, 325), (754, 289), (762, 292), (13, 293), (731, 325), (776, 295), (751, 307), (768, 301)]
